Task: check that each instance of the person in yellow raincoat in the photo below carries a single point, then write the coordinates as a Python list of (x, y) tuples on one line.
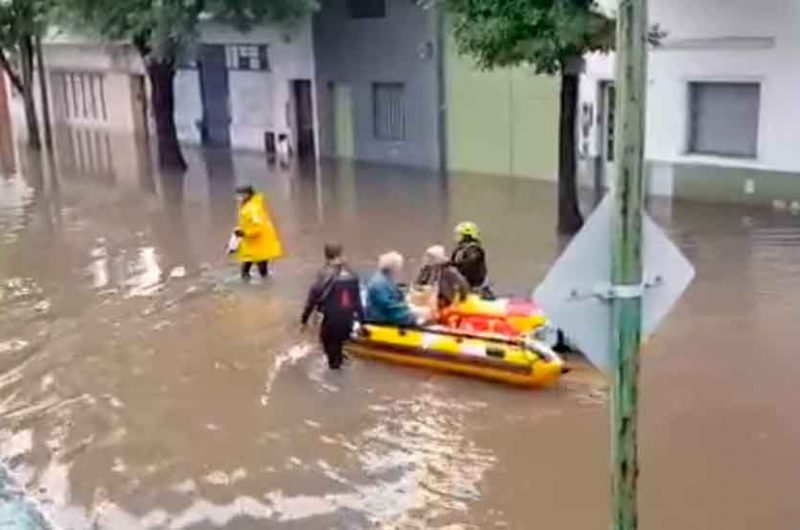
[(259, 242)]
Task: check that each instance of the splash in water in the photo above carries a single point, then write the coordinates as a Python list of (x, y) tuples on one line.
[(289, 358)]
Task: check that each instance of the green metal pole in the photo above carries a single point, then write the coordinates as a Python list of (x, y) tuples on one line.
[(631, 83)]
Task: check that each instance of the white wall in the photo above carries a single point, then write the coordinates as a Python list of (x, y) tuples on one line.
[(188, 106), (598, 67), (725, 40), (116, 64), (261, 101), (92, 56), (253, 108)]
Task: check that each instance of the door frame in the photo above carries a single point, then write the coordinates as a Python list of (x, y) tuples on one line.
[(294, 92), (606, 116), (343, 136), (204, 98)]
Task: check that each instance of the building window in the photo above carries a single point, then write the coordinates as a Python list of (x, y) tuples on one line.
[(367, 8), (609, 121), (88, 152), (81, 95), (389, 111), (723, 118), (246, 57)]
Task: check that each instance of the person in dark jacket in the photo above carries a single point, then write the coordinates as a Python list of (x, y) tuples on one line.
[(438, 272), (470, 258), (336, 294)]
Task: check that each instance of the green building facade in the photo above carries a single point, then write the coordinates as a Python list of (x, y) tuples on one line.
[(502, 121)]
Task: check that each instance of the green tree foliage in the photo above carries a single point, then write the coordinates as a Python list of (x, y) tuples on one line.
[(161, 30), (545, 34), (550, 36), (22, 22)]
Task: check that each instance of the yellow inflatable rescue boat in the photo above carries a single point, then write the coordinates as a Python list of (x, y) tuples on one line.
[(523, 362)]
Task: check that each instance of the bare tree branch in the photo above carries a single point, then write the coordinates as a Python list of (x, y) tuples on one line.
[(12, 75)]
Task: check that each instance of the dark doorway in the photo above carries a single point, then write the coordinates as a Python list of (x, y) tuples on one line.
[(304, 118), (214, 90)]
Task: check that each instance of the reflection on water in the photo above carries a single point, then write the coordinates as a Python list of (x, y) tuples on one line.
[(290, 358), (423, 461), (142, 386), (87, 152), (144, 274), (98, 267), (417, 467), (15, 195), (140, 275)]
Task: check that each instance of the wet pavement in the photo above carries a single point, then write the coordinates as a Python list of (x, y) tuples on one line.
[(143, 386)]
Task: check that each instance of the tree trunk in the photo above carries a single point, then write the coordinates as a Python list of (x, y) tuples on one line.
[(8, 162), (162, 76), (569, 213), (26, 59), (48, 130)]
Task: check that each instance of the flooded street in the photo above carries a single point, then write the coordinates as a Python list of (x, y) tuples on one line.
[(142, 386)]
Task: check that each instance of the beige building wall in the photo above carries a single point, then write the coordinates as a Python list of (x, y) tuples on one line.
[(98, 106)]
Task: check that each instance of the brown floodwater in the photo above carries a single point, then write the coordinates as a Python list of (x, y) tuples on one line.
[(142, 386)]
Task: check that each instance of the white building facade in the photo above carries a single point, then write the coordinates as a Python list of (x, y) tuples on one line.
[(240, 90), (260, 83), (722, 110)]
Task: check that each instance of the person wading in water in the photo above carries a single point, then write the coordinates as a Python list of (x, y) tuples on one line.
[(336, 294), (258, 240)]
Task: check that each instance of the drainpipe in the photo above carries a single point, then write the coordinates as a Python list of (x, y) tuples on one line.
[(315, 90), (441, 84)]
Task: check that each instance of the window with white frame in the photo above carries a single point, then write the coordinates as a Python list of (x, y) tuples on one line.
[(81, 95), (247, 57), (723, 118), (609, 119)]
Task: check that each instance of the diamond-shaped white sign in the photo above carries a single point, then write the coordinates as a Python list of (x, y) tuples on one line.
[(572, 294)]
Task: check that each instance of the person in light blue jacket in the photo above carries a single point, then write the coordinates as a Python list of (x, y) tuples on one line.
[(385, 301)]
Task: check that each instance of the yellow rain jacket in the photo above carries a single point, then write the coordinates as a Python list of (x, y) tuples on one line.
[(260, 241)]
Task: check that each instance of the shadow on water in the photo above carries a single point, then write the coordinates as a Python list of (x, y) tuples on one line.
[(142, 386), (221, 185)]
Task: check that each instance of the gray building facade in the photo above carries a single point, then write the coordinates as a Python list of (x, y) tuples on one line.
[(377, 69)]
